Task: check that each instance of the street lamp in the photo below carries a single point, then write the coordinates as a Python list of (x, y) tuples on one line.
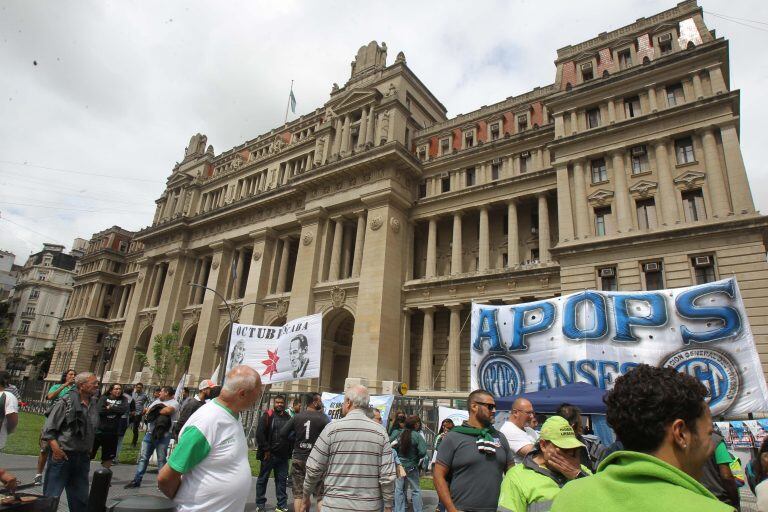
[(110, 342), (232, 316)]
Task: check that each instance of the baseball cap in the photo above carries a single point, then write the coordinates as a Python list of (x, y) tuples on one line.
[(557, 431), (206, 384)]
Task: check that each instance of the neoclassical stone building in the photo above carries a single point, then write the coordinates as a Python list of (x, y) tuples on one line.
[(387, 217)]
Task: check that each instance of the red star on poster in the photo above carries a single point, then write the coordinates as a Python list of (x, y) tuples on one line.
[(270, 363)]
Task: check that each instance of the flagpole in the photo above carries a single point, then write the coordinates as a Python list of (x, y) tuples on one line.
[(288, 105)]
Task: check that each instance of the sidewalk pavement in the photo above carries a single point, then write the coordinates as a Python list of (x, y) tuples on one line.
[(23, 466)]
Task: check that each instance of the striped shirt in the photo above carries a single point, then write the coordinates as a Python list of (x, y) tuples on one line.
[(353, 457)]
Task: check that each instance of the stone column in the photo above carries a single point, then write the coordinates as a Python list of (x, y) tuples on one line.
[(258, 275), (345, 138), (157, 287), (574, 123), (513, 241), (717, 80), (307, 263), (337, 138), (453, 364), (359, 241), (338, 234), (621, 193), (543, 228), (483, 248), (611, 111), (652, 98), (361, 134), (666, 186), (432, 249), (456, 246), (698, 90), (580, 193), (715, 179), (564, 212), (370, 131), (427, 343), (282, 273), (737, 174), (405, 355)]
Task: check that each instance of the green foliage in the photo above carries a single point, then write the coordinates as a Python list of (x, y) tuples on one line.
[(42, 360), (167, 355)]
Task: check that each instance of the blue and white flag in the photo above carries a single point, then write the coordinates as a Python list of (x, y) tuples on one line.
[(292, 99)]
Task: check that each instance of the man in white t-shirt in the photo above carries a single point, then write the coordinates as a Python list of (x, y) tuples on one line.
[(208, 470), (517, 429), (9, 409)]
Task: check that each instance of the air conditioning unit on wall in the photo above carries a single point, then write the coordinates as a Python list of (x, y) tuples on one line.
[(651, 267), (607, 272), (702, 261)]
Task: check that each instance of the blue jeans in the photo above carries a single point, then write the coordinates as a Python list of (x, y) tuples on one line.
[(70, 474), (280, 467), (147, 446), (401, 491)]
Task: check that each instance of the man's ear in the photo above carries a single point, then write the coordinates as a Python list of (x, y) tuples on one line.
[(680, 433)]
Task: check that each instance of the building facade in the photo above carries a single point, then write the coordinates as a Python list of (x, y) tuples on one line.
[(387, 217), (9, 272), (37, 305)]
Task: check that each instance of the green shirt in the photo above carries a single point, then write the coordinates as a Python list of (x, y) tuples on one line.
[(722, 456), (66, 391), (527, 484)]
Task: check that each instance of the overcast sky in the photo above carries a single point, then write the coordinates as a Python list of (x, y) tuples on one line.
[(117, 88)]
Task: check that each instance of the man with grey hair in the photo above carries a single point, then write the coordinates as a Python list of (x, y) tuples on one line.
[(209, 470), (355, 456), (69, 431)]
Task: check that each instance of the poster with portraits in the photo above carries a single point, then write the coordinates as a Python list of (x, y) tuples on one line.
[(332, 403), (279, 354)]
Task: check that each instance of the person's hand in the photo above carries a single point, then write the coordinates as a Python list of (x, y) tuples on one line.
[(266, 455), (387, 509), (10, 481), (306, 502), (565, 465), (58, 454)]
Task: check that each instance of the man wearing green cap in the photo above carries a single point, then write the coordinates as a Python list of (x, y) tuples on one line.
[(533, 484)]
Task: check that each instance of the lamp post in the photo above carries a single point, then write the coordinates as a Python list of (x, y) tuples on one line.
[(232, 315), (110, 342)]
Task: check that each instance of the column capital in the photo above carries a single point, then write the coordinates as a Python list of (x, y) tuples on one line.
[(458, 213), (313, 215), (177, 253), (453, 306), (661, 141), (613, 153), (360, 213), (706, 129), (427, 309), (262, 234), (220, 245)]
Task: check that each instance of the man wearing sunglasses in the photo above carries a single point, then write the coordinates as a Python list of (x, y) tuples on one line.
[(517, 429), (474, 457)]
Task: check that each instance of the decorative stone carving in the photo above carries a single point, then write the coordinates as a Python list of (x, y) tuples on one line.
[(400, 59), (481, 289), (338, 296), (384, 130), (215, 263), (369, 57), (376, 223), (690, 179), (277, 145), (544, 281), (643, 188), (394, 224), (425, 294), (335, 87), (307, 239), (601, 197), (171, 270), (392, 91), (141, 277), (196, 146), (282, 307)]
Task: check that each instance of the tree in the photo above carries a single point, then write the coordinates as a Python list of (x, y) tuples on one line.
[(42, 360), (167, 355)]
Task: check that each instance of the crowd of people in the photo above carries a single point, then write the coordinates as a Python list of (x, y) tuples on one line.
[(666, 456)]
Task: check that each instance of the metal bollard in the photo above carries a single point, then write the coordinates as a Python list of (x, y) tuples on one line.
[(97, 499)]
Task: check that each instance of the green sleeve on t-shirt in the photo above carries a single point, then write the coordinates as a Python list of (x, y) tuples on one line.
[(193, 447), (721, 454)]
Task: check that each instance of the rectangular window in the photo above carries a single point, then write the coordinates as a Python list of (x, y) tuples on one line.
[(607, 277), (684, 151), (524, 163), (495, 170), (24, 329), (495, 131), (445, 145), (469, 139), (675, 95), (631, 107), (703, 269), (599, 172), (522, 123), (35, 293), (423, 153), (639, 156), (693, 205), (654, 276), (586, 72), (601, 218), (423, 189), (445, 184), (665, 44), (535, 255), (625, 59), (470, 174), (593, 117), (646, 213)]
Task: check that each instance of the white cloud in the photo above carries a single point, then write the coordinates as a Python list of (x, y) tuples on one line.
[(119, 87)]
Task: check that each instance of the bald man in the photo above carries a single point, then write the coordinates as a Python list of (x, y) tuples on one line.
[(517, 429), (209, 468)]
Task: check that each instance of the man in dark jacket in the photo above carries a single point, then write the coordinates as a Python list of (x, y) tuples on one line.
[(274, 454), (111, 407), (593, 451), (69, 431), (193, 404)]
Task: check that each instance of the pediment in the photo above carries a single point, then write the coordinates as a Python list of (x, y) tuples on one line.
[(355, 98), (584, 56), (662, 27), (624, 41), (600, 196), (690, 178), (643, 187), (178, 178)]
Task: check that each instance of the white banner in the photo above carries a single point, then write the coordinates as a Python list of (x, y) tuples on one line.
[(596, 336), (279, 354), (457, 416), (332, 403)]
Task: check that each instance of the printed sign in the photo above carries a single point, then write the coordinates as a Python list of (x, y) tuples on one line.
[(457, 416), (279, 354), (596, 336), (332, 403)]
